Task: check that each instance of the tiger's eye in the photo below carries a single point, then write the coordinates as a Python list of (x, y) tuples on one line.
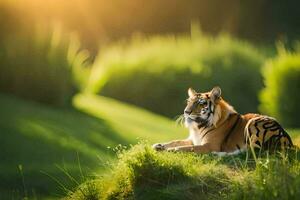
[(202, 101)]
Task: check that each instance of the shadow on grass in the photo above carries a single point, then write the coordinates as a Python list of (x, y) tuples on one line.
[(40, 137)]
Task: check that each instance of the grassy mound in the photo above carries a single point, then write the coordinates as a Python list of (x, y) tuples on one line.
[(142, 173), (37, 140)]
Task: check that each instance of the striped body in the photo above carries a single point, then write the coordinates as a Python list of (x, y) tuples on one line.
[(267, 134)]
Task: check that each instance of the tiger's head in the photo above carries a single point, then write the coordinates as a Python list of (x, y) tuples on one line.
[(205, 109)]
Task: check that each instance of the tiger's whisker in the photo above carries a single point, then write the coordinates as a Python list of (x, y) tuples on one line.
[(179, 119)]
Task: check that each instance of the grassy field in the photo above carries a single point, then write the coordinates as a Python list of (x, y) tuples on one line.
[(39, 141), (51, 152)]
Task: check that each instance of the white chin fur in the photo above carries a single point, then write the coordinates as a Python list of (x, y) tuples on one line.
[(190, 123)]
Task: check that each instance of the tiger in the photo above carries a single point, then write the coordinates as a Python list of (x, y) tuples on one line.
[(216, 127)]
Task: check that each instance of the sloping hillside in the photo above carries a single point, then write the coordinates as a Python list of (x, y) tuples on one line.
[(37, 140)]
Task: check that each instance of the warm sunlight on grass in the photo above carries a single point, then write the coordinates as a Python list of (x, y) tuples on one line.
[(133, 124)]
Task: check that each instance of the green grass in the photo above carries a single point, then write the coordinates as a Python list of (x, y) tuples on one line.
[(43, 139), (142, 173)]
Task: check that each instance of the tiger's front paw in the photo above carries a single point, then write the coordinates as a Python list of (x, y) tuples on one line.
[(158, 147)]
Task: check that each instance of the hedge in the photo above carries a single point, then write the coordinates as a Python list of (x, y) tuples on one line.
[(281, 96)]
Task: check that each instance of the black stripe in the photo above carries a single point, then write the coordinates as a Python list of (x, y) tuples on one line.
[(265, 125), (258, 143), (206, 133), (278, 141), (212, 111), (257, 129), (211, 129), (238, 147), (263, 140), (260, 119), (249, 131), (275, 129), (231, 130), (209, 107), (288, 137)]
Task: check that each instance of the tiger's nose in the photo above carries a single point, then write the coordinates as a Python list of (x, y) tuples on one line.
[(187, 111)]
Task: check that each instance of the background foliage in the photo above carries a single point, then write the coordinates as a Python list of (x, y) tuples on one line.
[(99, 22), (156, 72), (43, 66), (280, 97)]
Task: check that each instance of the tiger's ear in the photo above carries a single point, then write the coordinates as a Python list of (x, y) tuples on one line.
[(215, 93), (191, 92)]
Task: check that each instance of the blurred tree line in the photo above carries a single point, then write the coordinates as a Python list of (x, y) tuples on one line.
[(42, 59), (101, 21)]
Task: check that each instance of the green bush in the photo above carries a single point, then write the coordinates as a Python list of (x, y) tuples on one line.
[(45, 65), (280, 97), (156, 72)]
